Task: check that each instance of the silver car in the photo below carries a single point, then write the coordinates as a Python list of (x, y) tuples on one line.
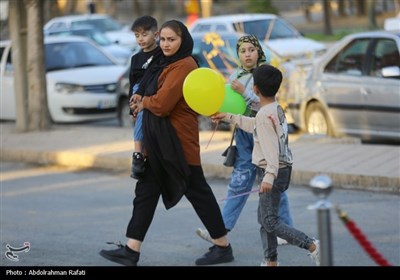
[(354, 89)]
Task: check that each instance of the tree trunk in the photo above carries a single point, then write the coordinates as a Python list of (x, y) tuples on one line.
[(113, 8), (360, 7), (397, 6), (137, 8), (37, 93), (17, 25), (206, 8), (342, 8), (151, 8), (71, 7), (306, 9), (327, 17), (372, 15)]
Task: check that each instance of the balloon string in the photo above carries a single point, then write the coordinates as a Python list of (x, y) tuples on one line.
[(212, 135), (241, 194)]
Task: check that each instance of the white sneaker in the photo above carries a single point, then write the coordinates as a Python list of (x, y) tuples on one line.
[(315, 256), (282, 241), (203, 233)]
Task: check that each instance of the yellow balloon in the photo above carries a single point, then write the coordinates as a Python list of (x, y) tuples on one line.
[(204, 91)]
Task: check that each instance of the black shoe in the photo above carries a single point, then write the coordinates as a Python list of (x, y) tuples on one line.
[(123, 255), (138, 165), (216, 255)]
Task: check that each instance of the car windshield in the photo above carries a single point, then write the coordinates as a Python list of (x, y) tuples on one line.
[(96, 36), (216, 52), (102, 24), (68, 55), (260, 28)]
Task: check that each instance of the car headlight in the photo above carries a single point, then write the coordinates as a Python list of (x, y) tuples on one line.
[(68, 88)]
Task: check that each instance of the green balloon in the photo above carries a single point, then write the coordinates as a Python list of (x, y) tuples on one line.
[(233, 102)]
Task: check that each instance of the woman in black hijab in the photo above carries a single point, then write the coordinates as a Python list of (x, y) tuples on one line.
[(171, 139)]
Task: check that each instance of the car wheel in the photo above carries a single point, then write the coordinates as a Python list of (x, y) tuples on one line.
[(317, 121), (124, 118)]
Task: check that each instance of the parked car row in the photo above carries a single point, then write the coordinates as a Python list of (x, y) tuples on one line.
[(352, 89)]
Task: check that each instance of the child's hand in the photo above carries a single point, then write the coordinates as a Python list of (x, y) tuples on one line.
[(136, 98), (237, 86), (217, 117), (265, 187)]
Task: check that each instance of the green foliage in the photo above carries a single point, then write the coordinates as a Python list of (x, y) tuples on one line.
[(261, 6), (337, 34)]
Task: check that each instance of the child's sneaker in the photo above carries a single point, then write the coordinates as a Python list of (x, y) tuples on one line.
[(138, 165), (282, 241), (315, 256)]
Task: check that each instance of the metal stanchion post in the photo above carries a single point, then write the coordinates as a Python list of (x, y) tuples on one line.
[(321, 186)]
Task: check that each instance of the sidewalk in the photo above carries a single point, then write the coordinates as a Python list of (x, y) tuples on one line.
[(346, 161)]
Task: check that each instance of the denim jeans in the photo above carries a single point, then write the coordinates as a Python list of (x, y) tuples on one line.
[(242, 180), (271, 226), (137, 130)]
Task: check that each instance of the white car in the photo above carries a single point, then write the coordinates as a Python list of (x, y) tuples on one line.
[(81, 80), (106, 24), (354, 89), (278, 34)]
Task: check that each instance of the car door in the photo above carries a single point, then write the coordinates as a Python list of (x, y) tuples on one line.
[(381, 94), (342, 86), (7, 84)]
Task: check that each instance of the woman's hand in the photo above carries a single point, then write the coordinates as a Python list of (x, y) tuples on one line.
[(136, 107)]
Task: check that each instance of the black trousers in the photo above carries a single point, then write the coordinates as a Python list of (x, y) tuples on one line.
[(198, 193)]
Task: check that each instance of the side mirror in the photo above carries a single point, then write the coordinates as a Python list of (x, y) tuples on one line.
[(391, 71)]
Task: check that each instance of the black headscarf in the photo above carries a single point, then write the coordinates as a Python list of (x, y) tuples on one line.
[(164, 150)]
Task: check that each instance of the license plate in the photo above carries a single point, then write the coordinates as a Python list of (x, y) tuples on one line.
[(106, 104)]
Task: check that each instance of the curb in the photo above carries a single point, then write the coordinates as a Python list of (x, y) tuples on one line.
[(299, 177)]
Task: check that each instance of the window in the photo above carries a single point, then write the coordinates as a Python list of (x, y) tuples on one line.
[(202, 28), (351, 60), (58, 25), (73, 55), (103, 24), (384, 54), (260, 28)]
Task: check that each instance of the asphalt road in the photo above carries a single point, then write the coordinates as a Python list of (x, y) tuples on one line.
[(68, 215)]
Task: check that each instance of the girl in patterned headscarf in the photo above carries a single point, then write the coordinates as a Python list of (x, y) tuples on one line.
[(251, 55), (251, 39)]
